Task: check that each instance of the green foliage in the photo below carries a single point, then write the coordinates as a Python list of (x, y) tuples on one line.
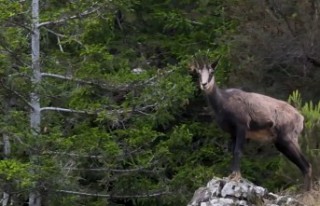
[(13, 170), (107, 129), (8, 10), (174, 21)]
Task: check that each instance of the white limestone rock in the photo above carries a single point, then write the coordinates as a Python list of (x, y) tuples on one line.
[(226, 192)]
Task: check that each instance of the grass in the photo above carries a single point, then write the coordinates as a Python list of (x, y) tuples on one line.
[(311, 198)]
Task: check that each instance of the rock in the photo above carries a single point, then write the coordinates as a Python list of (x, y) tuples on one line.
[(226, 192), (201, 195)]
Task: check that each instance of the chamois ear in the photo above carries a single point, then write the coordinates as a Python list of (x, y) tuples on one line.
[(193, 65), (214, 64)]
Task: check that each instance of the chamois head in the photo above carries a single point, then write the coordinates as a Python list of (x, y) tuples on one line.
[(205, 71)]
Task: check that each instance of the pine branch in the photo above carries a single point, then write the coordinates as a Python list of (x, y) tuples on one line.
[(64, 19), (81, 81), (123, 87), (83, 193), (145, 195), (74, 155), (17, 94), (7, 47), (135, 151), (59, 109), (70, 78), (58, 35), (139, 169)]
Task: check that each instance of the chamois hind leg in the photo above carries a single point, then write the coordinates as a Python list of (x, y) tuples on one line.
[(289, 147)]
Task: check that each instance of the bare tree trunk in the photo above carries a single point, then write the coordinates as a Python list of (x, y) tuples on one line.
[(5, 199), (6, 151), (35, 115), (36, 73)]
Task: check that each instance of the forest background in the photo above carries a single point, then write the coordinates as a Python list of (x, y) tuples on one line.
[(98, 106)]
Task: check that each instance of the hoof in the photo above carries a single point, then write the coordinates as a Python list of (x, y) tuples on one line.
[(235, 176)]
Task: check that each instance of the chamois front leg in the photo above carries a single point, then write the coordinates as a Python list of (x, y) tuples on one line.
[(237, 147)]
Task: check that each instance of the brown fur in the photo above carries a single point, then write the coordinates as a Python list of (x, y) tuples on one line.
[(262, 135)]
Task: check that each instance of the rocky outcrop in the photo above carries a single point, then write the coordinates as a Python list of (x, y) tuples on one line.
[(225, 192)]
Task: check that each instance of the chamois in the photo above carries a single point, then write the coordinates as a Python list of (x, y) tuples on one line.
[(247, 115)]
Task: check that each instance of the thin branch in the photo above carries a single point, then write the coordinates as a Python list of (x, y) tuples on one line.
[(108, 87), (83, 193), (75, 155), (18, 95), (139, 169), (55, 33), (70, 78), (61, 35), (58, 38), (195, 22), (81, 81), (90, 156), (145, 195), (24, 26), (110, 112), (59, 109), (59, 44), (147, 81), (64, 19), (276, 13), (142, 110), (20, 74)]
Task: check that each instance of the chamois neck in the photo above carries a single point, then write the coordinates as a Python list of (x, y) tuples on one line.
[(215, 98)]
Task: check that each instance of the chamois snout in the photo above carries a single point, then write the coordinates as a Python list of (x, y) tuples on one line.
[(203, 85), (206, 79)]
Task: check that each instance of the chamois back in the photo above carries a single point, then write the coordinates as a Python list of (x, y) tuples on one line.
[(259, 111)]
